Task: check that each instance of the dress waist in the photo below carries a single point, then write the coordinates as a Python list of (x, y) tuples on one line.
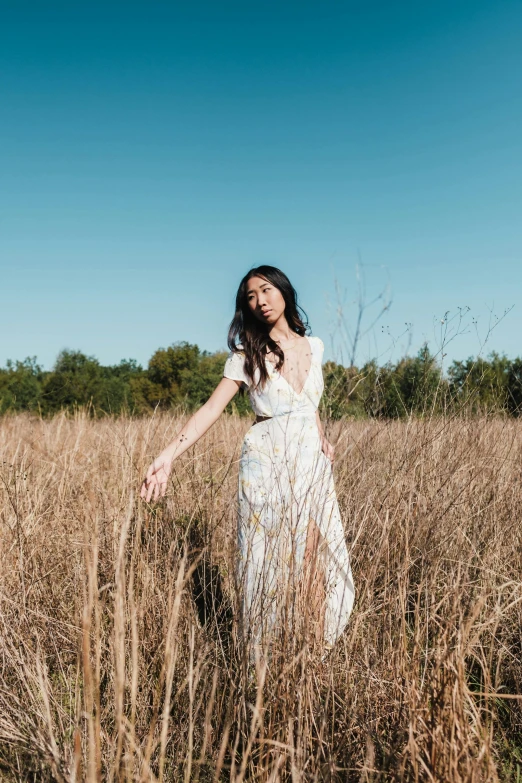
[(289, 414)]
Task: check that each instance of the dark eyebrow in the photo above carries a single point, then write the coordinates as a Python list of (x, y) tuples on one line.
[(251, 290)]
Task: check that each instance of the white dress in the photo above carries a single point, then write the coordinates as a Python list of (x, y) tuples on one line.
[(285, 480)]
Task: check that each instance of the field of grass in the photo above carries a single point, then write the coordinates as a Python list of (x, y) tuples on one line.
[(118, 651)]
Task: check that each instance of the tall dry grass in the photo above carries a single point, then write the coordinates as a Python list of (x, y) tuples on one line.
[(118, 652)]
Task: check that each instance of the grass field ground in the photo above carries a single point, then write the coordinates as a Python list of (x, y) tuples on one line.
[(118, 658)]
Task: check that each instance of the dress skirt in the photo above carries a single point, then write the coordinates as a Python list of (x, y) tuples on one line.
[(285, 480)]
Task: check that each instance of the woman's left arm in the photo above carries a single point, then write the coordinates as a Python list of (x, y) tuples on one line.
[(326, 446)]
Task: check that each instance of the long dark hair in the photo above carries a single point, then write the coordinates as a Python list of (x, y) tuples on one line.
[(253, 335)]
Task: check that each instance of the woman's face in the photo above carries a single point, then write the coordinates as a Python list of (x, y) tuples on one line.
[(265, 300)]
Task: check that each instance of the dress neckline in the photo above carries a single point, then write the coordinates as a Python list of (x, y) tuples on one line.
[(298, 394)]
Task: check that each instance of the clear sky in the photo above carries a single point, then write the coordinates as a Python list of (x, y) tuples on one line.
[(150, 153)]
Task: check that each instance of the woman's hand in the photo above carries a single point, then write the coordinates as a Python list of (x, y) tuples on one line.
[(327, 448), (156, 479)]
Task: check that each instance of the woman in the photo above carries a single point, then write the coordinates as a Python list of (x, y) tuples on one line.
[(294, 571)]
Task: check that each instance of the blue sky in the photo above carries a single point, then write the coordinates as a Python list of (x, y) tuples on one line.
[(151, 153)]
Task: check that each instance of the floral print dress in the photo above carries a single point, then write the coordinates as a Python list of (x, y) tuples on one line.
[(285, 480)]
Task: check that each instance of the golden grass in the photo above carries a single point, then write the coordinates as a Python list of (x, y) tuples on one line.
[(118, 658)]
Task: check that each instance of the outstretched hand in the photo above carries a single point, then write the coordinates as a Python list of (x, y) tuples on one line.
[(155, 482)]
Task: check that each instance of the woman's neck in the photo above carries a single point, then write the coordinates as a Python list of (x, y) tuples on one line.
[(282, 334)]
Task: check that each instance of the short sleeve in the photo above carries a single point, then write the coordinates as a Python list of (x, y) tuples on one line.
[(234, 368), (319, 349)]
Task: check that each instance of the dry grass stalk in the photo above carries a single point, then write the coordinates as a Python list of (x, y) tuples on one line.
[(119, 652)]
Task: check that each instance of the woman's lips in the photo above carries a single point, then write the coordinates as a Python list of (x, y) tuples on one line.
[(266, 312)]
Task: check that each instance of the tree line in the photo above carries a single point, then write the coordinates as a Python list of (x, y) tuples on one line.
[(183, 376)]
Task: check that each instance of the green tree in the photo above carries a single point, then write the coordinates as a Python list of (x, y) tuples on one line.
[(118, 390), (413, 385), (198, 384), (481, 384), (21, 385), (344, 391), (169, 369), (514, 387), (77, 379)]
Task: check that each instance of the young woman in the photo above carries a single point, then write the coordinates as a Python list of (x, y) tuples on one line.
[(294, 570)]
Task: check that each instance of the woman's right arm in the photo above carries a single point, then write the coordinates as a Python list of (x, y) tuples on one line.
[(200, 422)]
